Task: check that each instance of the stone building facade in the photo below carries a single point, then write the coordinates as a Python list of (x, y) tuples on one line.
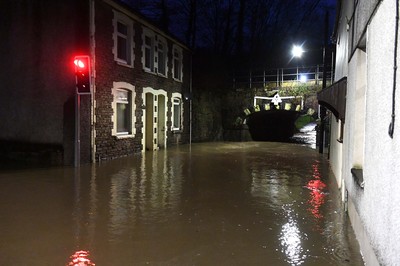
[(152, 69)]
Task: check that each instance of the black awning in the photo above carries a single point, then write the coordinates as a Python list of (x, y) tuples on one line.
[(334, 98)]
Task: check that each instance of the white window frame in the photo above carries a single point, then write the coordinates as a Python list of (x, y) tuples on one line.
[(123, 86), (153, 47), (176, 99), (177, 55), (148, 33), (130, 45)]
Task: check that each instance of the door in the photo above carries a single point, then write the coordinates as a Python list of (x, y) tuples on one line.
[(149, 138), (161, 121)]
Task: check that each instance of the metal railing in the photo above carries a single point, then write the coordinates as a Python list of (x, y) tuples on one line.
[(281, 77)]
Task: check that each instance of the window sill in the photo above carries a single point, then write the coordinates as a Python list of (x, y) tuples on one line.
[(154, 73), (176, 131), (124, 136), (147, 70), (177, 80), (124, 64)]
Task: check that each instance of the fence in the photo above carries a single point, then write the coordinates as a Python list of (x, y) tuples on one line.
[(281, 77)]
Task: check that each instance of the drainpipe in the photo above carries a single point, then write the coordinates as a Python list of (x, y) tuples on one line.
[(190, 99), (391, 126), (77, 158)]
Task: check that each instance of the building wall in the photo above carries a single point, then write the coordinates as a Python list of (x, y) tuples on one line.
[(335, 155), (380, 204), (108, 72), (37, 81), (373, 209), (342, 40), (341, 70)]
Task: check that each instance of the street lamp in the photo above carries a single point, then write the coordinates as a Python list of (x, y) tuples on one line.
[(297, 51), (303, 78)]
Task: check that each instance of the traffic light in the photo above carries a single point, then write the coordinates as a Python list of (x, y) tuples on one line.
[(82, 73)]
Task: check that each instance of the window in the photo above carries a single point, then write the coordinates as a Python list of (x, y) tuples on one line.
[(176, 111), (123, 39), (162, 57), (123, 109), (148, 53), (177, 63), (154, 53)]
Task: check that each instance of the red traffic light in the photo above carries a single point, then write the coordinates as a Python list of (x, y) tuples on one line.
[(79, 63), (82, 74)]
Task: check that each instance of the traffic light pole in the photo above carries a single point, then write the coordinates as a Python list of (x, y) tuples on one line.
[(83, 86), (77, 130)]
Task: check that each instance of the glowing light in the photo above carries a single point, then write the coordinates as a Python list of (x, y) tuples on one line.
[(79, 63), (303, 78), (82, 74), (297, 51), (80, 258)]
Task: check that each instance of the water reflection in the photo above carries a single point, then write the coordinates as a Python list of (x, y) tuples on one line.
[(231, 203), (80, 258), (143, 189), (291, 239), (317, 194)]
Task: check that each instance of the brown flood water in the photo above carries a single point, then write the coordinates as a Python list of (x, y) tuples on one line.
[(254, 203)]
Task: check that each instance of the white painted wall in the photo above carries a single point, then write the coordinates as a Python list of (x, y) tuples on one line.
[(342, 41), (379, 206), (335, 156), (367, 143), (341, 70)]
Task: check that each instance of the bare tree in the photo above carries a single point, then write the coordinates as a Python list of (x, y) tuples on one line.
[(262, 29), (240, 27), (164, 16)]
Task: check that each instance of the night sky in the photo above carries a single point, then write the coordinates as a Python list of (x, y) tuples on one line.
[(269, 27)]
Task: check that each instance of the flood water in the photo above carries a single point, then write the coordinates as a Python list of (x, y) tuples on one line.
[(250, 203)]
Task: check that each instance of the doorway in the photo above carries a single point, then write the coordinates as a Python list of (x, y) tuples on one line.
[(154, 119)]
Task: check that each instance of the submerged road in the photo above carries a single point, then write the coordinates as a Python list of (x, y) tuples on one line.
[(251, 203)]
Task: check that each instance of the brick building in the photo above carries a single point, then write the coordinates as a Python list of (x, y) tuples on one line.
[(140, 76)]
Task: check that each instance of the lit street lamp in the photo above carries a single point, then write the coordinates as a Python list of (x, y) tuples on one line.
[(297, 51), (303, 78)]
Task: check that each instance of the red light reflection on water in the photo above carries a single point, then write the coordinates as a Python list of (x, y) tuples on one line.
[(317, 196), (80, 258)]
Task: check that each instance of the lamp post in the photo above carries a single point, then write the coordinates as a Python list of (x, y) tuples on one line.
[(297, 52)]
